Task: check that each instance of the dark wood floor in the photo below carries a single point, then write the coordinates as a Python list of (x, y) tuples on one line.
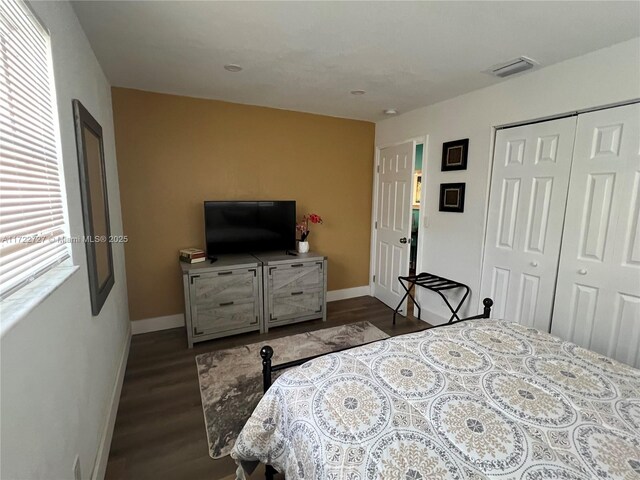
[(160, 432)]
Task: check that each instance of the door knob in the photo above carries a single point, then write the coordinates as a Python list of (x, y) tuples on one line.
[(582, 271), (403, 240), (534, 264)]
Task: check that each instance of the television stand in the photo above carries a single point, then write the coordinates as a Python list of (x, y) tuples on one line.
[(294, 289), (243, 293), (222, 299)]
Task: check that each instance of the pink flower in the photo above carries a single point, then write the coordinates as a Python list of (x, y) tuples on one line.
[(315, 218), (303, 227)]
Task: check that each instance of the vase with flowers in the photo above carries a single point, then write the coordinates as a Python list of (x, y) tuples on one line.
[(303, 228)]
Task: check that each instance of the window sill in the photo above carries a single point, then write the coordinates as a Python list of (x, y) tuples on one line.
[(18, 305)]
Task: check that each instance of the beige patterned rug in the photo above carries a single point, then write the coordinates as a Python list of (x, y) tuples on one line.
[(231, 380)]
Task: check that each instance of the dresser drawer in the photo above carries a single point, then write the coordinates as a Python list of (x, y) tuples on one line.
[(231, 315), (296, 276), (220, 287), (285, 306)]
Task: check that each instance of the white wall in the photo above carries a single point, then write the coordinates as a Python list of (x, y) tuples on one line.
[(452, 243), (59, 364)]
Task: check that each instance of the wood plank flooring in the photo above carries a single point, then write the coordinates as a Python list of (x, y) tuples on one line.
[(160, 432)]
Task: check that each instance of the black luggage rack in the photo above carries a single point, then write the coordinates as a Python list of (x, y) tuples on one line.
[(434, 283)]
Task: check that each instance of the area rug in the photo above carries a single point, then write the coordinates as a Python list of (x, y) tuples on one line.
[(231, 380)]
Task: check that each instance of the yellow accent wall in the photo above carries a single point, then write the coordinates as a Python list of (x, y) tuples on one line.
[(175, 152)]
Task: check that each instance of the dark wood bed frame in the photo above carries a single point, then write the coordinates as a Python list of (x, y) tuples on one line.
[(268, 369)]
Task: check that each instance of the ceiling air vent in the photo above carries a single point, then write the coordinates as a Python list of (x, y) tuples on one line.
[(512, 67)]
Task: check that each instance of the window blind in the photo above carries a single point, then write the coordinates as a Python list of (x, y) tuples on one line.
[(32, 209)]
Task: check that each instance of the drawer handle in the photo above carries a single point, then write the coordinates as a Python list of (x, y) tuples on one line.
[(297, 265), (225, 273), (297, 293), (226, 304)]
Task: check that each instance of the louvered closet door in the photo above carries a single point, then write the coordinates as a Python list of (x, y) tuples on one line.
[(598, 295), (526, 207)]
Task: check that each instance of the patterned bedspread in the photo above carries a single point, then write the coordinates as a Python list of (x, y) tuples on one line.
[(482, 399)]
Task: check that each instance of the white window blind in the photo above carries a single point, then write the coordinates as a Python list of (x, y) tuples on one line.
[(32, 210)]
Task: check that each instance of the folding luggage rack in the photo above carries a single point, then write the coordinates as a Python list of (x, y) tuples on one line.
[(434, 283)]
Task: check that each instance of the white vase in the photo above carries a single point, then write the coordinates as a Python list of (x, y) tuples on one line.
[(303, 247)]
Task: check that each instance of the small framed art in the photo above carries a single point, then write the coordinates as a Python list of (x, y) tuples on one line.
[(452, 197), (417, 188), (454, 155)]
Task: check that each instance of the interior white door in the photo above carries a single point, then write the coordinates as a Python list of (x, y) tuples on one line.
[(598, 295), (393, 222), (531, 169)]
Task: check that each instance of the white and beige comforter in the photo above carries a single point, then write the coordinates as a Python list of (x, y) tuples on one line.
[(482, 399)]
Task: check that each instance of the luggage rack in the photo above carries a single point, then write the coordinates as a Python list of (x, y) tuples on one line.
[(434, 283)]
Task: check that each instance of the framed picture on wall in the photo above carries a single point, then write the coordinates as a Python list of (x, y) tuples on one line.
[(452, 197), (95, 205), (417, 188), (454, 155)]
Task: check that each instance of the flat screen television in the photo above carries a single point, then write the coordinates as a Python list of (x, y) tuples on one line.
[(249, 226)]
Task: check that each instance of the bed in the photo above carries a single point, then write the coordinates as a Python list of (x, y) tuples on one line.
[(479, 399)]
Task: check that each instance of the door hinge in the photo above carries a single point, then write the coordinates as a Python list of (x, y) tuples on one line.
[(374, 278), (376, 224), (378, 168)]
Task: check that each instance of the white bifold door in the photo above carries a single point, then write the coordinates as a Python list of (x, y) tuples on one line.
[(563, 235), (393, 222), (598, 295), (531, 170)]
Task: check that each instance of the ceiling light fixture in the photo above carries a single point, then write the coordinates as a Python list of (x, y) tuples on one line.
[(391, 111), (232, 67), (358, 92)]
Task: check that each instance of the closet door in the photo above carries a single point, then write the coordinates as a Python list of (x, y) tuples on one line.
[(598, 295), (526, 208)]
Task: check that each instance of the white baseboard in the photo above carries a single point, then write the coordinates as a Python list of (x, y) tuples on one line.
[(102, 457), (429, 316), (345, 293), (157, 323)]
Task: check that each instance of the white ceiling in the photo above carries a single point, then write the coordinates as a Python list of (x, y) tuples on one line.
[(307, 56)]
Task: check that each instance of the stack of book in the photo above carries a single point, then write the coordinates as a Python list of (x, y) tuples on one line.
[(192, 255)]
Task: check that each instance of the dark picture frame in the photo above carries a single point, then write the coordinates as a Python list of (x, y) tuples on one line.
[(452, 197), (454, 155), (95, 206)]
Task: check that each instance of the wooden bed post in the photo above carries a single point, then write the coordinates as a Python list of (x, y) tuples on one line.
[(487, 302), (266, 353)]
